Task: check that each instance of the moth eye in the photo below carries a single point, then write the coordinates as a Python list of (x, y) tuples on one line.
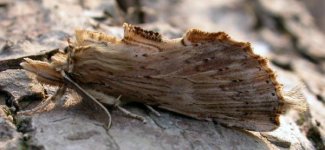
[(66, 49)]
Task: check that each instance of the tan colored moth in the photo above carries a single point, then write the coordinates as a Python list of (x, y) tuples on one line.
[(207, 76)]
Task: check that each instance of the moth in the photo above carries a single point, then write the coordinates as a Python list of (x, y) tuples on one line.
[(207, 76)]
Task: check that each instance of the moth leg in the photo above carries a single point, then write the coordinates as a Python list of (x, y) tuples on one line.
[(58, 93), (110, 100), (104, 98), (58, 98), (90, 95), (40, 106), (132, 115), (126, 112), (153, 110)]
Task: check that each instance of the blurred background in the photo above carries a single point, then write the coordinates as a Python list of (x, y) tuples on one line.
[(290, 33)]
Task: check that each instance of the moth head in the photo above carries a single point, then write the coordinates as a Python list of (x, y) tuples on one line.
[(45, 72)]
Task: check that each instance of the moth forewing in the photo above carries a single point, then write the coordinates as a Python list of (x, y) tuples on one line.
[(202, 75)]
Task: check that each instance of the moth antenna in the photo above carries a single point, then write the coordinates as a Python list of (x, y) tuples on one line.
[(294, 99), (85, 93), (153, 110)]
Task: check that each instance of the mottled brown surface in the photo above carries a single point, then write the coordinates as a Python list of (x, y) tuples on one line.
[(207, 76), (283, 31)]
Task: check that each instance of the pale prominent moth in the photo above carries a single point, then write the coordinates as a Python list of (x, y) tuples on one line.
[(207, 76)]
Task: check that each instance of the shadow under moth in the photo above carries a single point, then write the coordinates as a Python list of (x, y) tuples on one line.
[(207, 76)]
